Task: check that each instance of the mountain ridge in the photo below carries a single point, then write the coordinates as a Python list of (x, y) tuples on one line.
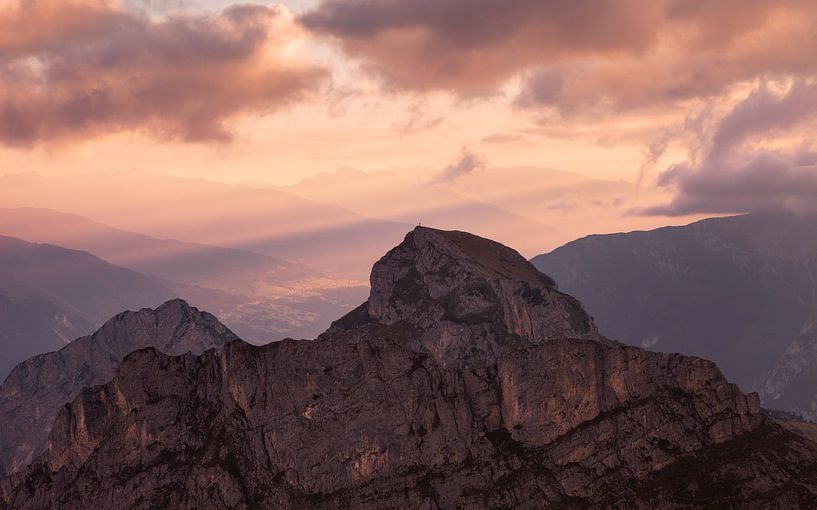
[(735, 290), (37, 388), (51, 295), (375, 413), (235, 216)]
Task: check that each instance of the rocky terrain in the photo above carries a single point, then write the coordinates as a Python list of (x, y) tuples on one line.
[(39, 387), (740, 291), (466, 381)]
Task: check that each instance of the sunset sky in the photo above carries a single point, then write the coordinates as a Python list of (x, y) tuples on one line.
[(714, 101)]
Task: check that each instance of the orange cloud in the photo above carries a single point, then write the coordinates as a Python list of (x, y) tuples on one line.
[(72, 69)]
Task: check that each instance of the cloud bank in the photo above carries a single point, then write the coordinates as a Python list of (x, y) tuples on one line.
[(738, 174), (73, 69), (582, 55)]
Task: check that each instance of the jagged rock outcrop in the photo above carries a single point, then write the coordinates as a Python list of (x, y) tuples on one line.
[(463, 299), (390, 409), (39, 387)]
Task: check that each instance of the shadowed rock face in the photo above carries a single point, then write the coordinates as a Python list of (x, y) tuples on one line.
[(383, 411), (39, 387)]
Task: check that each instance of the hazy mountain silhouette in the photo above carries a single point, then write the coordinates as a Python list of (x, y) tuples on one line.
[(51, 295), (236, 271), (266, 221), (739, 290), (388, 195)]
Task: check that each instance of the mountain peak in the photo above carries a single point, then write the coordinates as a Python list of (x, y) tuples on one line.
[(448, 285), (36, 389), (478, 255), (467, 380), (175, 327)]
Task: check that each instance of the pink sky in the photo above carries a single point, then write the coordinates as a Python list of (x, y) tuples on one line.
[(712, 101)]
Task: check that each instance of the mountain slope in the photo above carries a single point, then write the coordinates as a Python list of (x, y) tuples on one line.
[(391, 409), (37, 388), (791, 384), (51, 295), (736, 290)]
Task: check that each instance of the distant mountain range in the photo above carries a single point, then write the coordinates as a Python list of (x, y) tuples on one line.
[(266, 221), (740, 291), (230, 270), (530, 207), (339, 222), (466, 380), (390, 195), (50, 295), (263, 298)]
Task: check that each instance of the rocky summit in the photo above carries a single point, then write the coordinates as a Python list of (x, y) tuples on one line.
[(463, 300), (466, 381), (37, 388)]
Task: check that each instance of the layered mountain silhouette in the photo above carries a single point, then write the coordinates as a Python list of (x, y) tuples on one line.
[(260, 297), (266, 221), (50, 295), (230, 270), (740, 291), (381, 194), (38, 388), (530, 208), (466, 380)]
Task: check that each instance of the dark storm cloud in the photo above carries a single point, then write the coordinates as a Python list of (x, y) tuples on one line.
[(73, 69)]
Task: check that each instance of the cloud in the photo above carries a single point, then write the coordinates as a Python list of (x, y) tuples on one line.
[(468, 162), (767, 181), (472, 46), (582, 56), (739, 172), (74, 69)]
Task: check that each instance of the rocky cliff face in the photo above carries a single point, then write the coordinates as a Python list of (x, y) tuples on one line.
[(39, 387), (392, 409), (462, 299)]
